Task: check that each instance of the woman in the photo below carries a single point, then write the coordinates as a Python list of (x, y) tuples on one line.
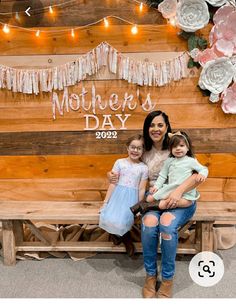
[(162, 224)]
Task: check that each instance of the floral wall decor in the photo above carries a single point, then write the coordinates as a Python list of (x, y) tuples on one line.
[(217, 56)]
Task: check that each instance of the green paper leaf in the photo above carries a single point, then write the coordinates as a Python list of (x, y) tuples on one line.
[(184, 35), (192, 42), (202, 43)]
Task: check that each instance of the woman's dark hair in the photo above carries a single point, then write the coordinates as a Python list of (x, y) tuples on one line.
[(135, 137), (175, 140), (148, 143)]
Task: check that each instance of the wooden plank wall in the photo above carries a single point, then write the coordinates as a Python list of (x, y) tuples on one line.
[(43, 159)]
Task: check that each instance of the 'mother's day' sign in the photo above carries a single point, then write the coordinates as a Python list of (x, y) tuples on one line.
[(111, 107)]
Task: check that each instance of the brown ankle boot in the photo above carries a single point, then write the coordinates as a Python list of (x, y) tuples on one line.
[(129, 246), (165, 290), (149, 288)]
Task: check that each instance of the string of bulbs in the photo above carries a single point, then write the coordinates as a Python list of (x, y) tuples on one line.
[(51, 9)]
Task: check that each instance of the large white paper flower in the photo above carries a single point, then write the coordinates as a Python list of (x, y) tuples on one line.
[(192, 15), (216, 75), (168, 8), (216, 3)]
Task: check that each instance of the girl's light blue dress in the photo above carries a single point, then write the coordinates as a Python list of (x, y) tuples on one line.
[(116, 217)]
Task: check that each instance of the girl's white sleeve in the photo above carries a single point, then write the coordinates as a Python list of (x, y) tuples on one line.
[(116, 167), (200, 168)]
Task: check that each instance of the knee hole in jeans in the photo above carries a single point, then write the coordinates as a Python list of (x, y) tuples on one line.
[(150, 220), (166, 236), (166, 218)]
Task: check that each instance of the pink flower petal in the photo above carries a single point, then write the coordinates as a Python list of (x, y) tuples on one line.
[(212, 36), (229, 100), (231, 21), (206, 55), (222, 13), (225, 47)]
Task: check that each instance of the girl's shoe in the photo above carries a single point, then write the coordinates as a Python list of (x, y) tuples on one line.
[(130, 249), (144, 207), (116, 239)]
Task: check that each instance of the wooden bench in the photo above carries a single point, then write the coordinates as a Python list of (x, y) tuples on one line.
[(14, 214)]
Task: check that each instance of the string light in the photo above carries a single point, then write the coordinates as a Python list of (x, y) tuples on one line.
[(134, 29), (6, 29), (70, 3), (172, 21), (37, 33), (141, 7), (17, 16), (106, 22), (51, 10)]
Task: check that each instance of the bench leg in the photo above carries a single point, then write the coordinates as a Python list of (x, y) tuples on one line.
[(8, 243), (207, 240), (18, 231)]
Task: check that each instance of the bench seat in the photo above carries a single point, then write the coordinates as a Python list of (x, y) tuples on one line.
[(14, 213)]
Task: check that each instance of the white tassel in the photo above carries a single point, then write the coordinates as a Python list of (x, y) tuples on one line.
[(136, 72)]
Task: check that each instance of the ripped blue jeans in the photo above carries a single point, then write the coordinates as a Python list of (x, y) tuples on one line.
[(166, 228)]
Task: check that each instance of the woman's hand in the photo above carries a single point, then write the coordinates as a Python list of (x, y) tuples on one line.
[(113, 177), (173, 198)]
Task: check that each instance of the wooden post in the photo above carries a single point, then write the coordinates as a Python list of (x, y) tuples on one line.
[(18, 231), (8, 243), (207, 236)]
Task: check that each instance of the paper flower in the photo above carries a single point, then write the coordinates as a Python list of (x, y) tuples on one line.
[(222, 13), (216, 2), (194, 53), (216, 75), (223, 35), (192, 15), (229, 100), (214, 98), (168, 8), (204, 56)]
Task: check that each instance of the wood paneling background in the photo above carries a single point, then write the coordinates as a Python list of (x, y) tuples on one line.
[(43, 159)]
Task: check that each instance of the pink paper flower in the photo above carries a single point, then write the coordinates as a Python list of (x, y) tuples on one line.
[(229, 100), (204, 56), (222, 13), (225, 47)]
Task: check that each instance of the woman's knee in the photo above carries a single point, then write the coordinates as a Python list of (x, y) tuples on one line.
[(167, 227), (150, 220)]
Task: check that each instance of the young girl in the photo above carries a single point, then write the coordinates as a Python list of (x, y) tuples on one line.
[(115, 216), (176, 169)]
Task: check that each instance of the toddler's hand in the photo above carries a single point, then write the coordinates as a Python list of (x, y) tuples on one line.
[(153, 189), (200, 178)]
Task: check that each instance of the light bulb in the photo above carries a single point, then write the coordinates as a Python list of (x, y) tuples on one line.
[(141, 7), (134, 29), (17, 16), (172, 21), (106, 22), (72, 33), (6, 29), (50, 10), (37, 33)]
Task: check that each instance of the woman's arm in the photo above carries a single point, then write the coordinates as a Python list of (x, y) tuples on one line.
[(142, 189), (113, 177), (189, 184)]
